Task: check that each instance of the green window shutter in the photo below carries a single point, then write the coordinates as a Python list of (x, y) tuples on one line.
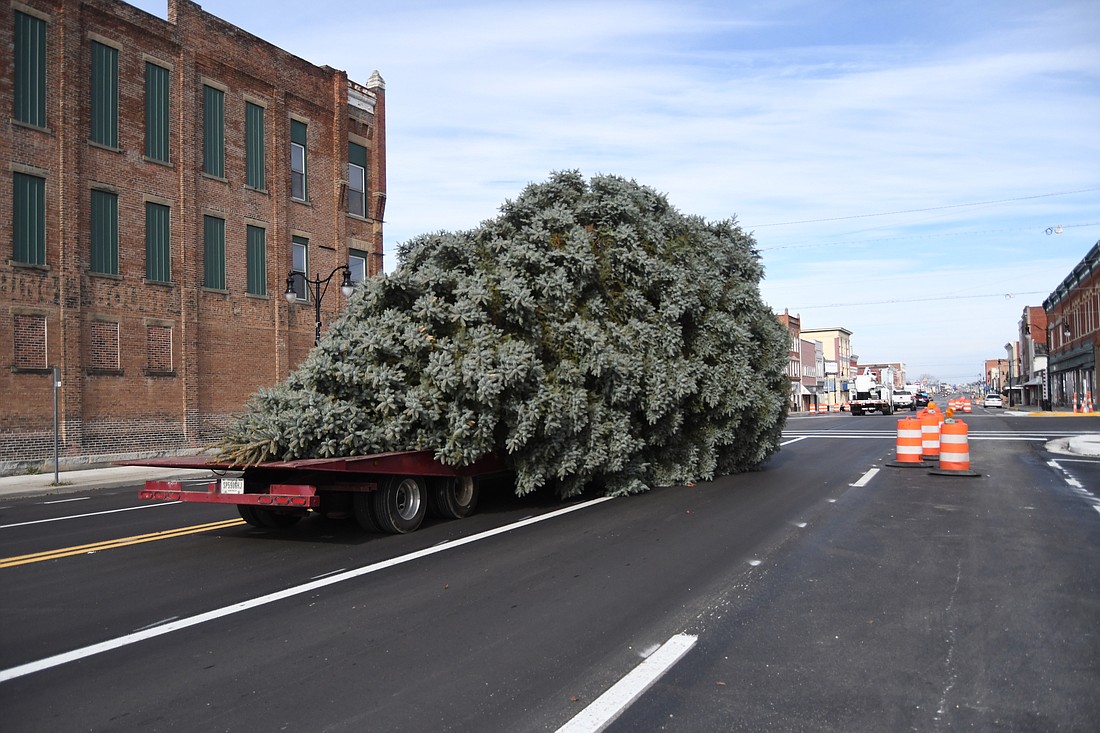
[(298, 132), (254, 146), (29, 219), (105, 232), (213, 135), (213, 257), (104, 95), (156, 112), (357, 155), (158, 264), (257, 260), (30, 70)]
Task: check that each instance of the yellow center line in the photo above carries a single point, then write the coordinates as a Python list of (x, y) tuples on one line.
[(10, 562)]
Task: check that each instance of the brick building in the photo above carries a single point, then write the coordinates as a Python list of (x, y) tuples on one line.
[(1073, 315), (164, 177), (793, 325)]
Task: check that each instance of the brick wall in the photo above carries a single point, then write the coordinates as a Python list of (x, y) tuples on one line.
[(161, 366)]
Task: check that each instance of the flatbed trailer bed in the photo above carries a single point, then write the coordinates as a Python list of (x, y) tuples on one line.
[(388, 492)]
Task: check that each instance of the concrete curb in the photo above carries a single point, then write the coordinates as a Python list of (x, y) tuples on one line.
[(1077, 445)]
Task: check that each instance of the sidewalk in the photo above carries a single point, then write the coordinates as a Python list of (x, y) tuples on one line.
[(89, 479)]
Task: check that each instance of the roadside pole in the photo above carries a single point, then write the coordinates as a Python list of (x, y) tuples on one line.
[(56, 440)]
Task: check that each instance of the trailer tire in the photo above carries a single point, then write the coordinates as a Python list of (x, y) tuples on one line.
[(362, 505), (259, 516), (248, 514), (454, 497), (400, 504)]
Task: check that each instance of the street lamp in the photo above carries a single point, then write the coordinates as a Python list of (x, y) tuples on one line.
[(346, 287)]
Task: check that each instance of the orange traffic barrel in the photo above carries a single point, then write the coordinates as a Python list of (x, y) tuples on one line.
[(910, 451), (966, 404), (930, 434), (954, 450)]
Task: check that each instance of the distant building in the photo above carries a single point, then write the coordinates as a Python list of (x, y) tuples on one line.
[(1033, 355), (165, 176), (836, 343), (1073, 315), (794, 359), (892, 372), (812, 366)]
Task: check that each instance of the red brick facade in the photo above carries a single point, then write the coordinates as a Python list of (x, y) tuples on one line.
[(158, 364)]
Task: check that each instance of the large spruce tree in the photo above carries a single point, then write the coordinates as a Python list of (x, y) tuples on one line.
[(591, 334)]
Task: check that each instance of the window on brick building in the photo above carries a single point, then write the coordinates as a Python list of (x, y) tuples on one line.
[(156, 112), (298, 134), (158, 251), (158, 346), (213, 132), (299, 262), (104, 232), (357, 263), (213, 252), (256, 246), (30, 341), (254, 152), (103, 346), (28, 219), (357, 180), (29, 103), (104, 95)]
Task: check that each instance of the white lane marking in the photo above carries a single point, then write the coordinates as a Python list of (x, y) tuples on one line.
[(1076, 486), (871, 472), (158, 623), (794, 440), (105, 646), (66, 501), (331, 572), (90, 514), (610, 705)]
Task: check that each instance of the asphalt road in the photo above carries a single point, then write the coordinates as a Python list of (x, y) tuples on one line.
[(906, 601)]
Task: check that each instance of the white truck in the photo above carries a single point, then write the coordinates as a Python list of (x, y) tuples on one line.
[(903, 400), (870, 396)]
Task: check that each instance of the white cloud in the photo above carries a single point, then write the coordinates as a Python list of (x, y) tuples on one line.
[(774, 112)]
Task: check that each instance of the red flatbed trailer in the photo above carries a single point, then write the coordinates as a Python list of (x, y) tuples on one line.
[(388, 492)]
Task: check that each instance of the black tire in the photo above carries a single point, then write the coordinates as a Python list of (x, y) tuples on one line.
[(259, 516), (454, 498), (857, 411), (248, 514), (400, 504), (362, 505)]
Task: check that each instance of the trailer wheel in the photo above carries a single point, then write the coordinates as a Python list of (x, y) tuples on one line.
[(454, 498), (400, 504), (362, 505), (248, 514), (266, 518)]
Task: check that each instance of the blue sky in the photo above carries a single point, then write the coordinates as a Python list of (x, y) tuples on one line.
[(898, 162)]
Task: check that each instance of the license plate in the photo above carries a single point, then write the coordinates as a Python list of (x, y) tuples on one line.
[(232, 485)]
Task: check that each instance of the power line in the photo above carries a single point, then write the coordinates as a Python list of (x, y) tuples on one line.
[(920, 300), (848, 242), (920, 211)]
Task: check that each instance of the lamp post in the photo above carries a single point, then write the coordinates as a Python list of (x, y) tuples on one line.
[(346, 287), (1066, 333)]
